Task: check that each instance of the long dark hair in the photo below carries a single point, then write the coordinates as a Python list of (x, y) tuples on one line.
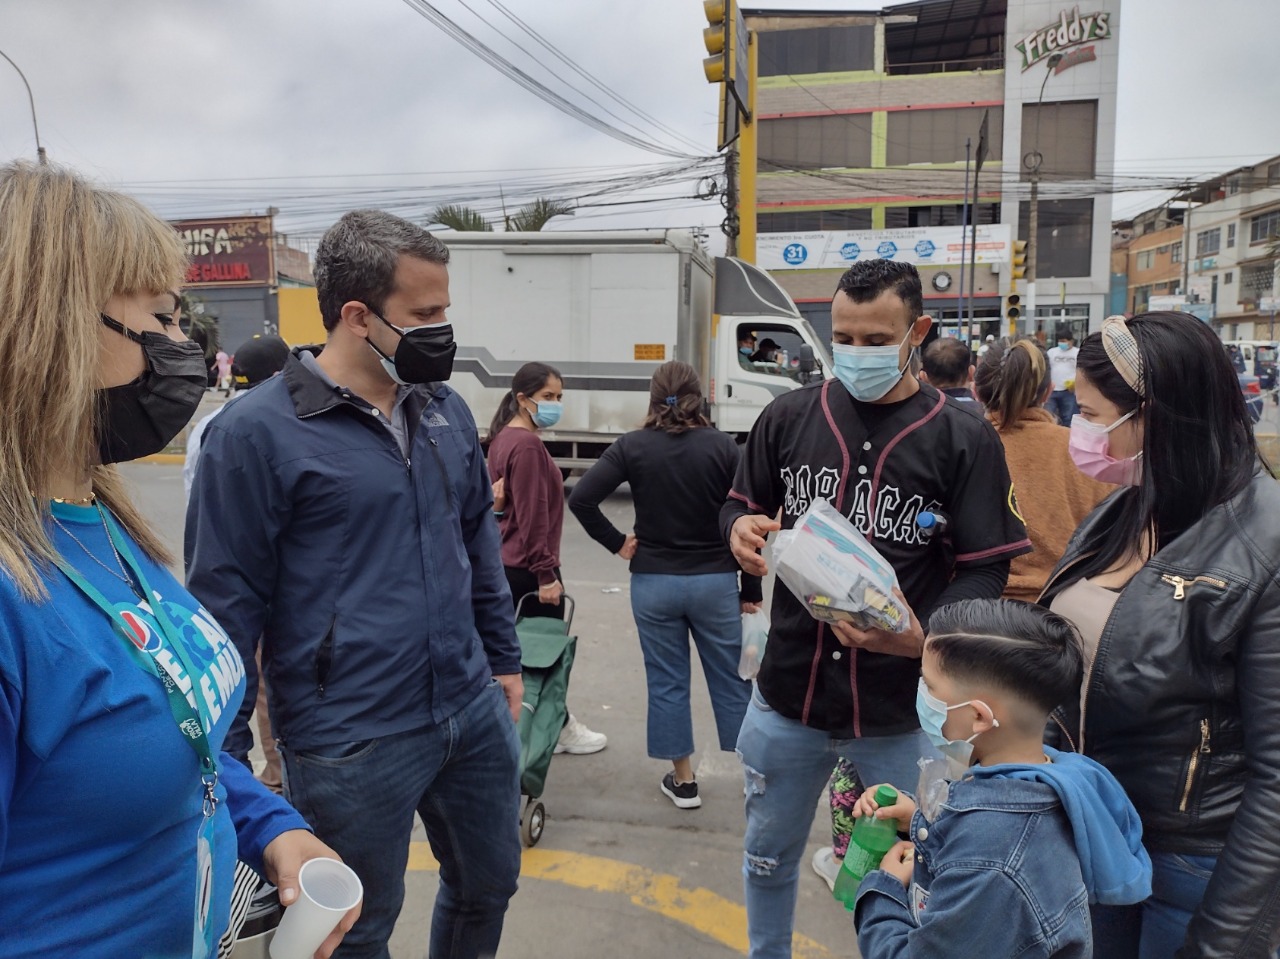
[(528, 380), (1198, 449), (675, 399), (1011, 377)]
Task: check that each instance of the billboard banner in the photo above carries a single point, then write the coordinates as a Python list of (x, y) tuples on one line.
[(228, 251), (921, 246)]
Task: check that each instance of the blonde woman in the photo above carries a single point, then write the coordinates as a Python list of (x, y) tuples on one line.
[(1012, 383), (120, 818)]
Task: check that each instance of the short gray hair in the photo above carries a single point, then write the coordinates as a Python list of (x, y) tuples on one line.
[(357, 257)]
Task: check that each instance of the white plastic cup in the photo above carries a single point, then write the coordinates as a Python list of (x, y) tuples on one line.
[(328, 890)]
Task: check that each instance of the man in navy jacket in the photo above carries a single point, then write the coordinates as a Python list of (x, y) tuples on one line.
[(343, 514)]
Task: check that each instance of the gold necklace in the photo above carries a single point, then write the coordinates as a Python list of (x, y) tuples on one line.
[(122, 575), (87, 501)]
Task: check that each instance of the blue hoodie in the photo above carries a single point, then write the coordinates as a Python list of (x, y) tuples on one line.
[(1032, 845)]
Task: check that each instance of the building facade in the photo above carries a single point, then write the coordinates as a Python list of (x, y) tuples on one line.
[(237, 266), (1155, 258), (863, 123)]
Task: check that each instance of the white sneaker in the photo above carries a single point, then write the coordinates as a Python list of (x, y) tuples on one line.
[(577, 740), (826, 865)]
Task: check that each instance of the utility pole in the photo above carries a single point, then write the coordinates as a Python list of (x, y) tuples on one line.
[(1033, 161), (731, 226), (1186, 249), (40, 154)]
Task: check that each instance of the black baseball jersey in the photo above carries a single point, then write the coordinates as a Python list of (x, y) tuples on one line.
[(880, 465)]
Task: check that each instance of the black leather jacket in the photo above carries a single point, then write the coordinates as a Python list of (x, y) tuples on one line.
[(1182, 704)]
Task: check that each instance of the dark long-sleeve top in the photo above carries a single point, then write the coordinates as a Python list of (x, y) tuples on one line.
[(678, 483), (533, 521)]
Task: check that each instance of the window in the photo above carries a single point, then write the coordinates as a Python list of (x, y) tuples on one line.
[(1065, 134), (1231, 235), (1064, 236), (1264, 228), (1141, 298), (807, 221), (1256, 281), (815, 142), (1146, 259), (1209, 242), (1175, 252), (1233, 186), (1228, 277), (937, 136), (1273, 174), (1162, 250), (817, 50), (898, 217)]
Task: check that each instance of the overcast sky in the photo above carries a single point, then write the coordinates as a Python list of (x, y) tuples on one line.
[(370, 96)]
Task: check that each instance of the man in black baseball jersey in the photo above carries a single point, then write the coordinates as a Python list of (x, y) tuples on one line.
[(881, 447)]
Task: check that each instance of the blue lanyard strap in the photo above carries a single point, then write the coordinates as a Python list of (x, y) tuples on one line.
[(188, 717)]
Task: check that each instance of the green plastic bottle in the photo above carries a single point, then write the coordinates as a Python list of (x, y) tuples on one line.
[(870, 840)]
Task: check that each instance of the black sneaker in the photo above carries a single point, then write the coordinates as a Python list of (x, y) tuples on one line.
[(684, 795)]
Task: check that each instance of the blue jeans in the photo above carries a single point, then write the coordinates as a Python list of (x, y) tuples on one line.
[(462, 778), (1156, 928), (1062, 404), (786, 765), (667, 609)]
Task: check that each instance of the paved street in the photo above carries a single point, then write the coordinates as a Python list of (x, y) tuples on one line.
[(619, 869)]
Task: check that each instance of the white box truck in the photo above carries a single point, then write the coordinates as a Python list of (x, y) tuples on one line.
[(606, 309)]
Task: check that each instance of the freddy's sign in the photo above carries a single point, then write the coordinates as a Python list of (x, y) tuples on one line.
[(1070, 30)]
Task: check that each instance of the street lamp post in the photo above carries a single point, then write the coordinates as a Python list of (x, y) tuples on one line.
[(1032, 161), (40, 154)]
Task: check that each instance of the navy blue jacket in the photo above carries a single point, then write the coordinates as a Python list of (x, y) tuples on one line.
[(374, 580)]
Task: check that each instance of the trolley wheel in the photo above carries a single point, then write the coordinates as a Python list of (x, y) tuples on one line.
[(532, 822)]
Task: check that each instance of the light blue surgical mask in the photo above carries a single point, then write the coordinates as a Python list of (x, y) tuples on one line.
[(547, 414), (868, 372), (932, 713), (745, 350)]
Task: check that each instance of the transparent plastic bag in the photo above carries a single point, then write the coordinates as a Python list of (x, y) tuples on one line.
[(755, 634), (837, 574)]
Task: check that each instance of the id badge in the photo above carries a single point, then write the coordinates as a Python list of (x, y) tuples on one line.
[(202, 935)]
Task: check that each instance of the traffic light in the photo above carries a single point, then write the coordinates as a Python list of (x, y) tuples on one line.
[(1013, 309), (1018, 261), (726, 40), (717, 40)]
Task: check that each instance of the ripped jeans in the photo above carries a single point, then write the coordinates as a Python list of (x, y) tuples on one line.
[(786, 765)]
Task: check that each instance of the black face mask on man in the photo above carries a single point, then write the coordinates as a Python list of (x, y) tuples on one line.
[(142, 417), (424, 354)]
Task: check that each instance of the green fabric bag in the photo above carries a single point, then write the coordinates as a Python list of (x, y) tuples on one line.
[(546, 655)]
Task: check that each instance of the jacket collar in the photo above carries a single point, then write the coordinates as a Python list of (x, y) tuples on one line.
[(311, 395)]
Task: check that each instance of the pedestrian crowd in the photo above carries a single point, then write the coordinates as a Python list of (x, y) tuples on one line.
[(1072, 745)]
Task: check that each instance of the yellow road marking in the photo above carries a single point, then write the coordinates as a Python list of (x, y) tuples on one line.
[(699, 909)]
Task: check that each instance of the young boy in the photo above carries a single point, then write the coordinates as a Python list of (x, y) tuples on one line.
[(1010, 840)]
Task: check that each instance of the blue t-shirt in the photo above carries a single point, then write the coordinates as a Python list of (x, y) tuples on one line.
[(100, 794)]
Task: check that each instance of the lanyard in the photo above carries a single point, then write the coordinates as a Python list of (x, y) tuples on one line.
[(187, 716)]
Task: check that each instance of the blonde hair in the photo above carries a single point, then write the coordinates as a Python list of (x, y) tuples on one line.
[(1012, 376), (66, 247)]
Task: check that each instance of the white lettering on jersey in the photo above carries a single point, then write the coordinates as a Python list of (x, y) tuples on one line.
[(895, 511)]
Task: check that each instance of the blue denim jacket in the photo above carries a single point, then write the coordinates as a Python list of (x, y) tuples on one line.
[(999, 870)]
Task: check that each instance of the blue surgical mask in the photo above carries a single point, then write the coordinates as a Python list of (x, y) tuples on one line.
[(1063, 345), (868, 372), (547, 414), (745, 350), (932, 713)]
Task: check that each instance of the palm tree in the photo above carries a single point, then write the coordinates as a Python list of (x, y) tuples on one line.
[(528, 219), (461, 218)]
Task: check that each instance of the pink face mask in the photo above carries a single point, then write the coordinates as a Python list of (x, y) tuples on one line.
[(1089, 451)]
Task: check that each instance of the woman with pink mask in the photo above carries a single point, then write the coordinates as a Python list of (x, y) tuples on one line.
[(1174, 584)]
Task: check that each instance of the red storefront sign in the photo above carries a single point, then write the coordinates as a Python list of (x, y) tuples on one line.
[(228, 251)]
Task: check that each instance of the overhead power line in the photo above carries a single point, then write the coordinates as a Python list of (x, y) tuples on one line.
[(534, 86)]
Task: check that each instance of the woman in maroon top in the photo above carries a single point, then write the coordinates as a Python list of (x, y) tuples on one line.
[(532, 517)]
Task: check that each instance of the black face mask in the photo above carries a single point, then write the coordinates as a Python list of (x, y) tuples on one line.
[(425, 353), (142, 417)]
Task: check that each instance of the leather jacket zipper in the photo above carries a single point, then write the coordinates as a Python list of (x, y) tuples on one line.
[(1181, 584), (1194, 765), (1065, 735)]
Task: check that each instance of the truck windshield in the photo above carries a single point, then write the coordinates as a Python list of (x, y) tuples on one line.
[(1266, 354)]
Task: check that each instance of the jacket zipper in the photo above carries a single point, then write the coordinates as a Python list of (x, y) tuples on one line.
[(1202, 750), (1181, 584), (1061, 725)]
